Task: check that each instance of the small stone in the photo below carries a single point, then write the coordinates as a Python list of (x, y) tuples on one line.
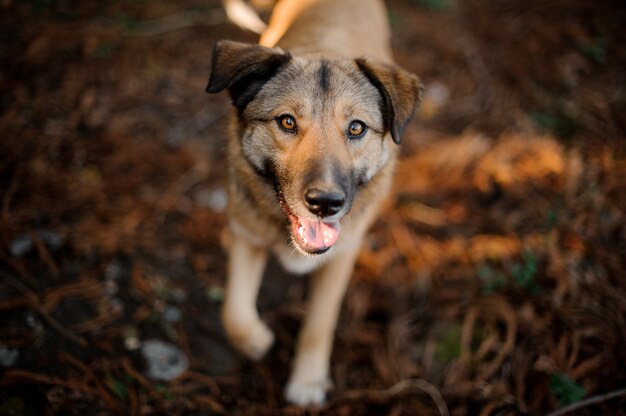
[(8, 357), (216, 200), (51, 238), (132, 343), (165, 361), (113, 270), (31, 320), (215, 294), (172, 314), (21, 246), (131, 338), (110, 288), (117, 305)]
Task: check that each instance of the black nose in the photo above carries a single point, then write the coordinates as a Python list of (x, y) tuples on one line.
[(324, 203)]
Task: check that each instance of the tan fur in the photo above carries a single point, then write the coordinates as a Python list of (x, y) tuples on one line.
[(325, 84)]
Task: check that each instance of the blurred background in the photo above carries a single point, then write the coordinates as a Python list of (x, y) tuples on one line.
[(492, 284)]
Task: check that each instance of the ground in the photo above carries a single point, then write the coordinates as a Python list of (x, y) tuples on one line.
[(492, 283)]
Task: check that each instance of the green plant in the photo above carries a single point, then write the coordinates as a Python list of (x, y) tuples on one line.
[(162, 389), (104, 50), (596, 51), (492, 280), (449, 347), (524, 273), (555, 122), (552, 218), (566, 390), (118, 387), (128, 23)]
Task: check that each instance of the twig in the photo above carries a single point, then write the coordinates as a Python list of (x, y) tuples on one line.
[(400, 388), (34, 302), (208, 402), (6, 204), (208, 382), (19, 268), (173, 193), (89, 374), (17, 376), (105, 316), (8, 304), (44, 254), (88, 289), (490, 307), (133, 401), (145, 383), (588, 402)]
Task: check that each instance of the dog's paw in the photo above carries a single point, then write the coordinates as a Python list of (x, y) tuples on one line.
[(256, 342), (307, 393)]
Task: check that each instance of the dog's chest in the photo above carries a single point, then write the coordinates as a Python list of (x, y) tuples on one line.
[(295, 262)]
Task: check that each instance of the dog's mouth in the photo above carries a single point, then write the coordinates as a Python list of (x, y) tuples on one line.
[(311, 236), (314, 237)]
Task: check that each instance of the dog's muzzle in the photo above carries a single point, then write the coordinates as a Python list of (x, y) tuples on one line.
[(315, 236)]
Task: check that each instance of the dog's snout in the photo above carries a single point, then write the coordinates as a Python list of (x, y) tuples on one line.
[(324, 203)]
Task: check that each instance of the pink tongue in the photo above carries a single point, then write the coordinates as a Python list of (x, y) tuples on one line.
[(315, 235)]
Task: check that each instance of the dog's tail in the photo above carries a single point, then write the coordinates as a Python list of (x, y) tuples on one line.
[(244, 16)]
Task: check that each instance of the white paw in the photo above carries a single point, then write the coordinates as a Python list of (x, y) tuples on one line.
[(307, 393), (260, 340), (254, 341)]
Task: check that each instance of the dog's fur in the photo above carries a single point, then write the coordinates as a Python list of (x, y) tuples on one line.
[(326, 63)]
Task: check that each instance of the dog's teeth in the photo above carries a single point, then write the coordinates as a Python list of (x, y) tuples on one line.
[(327, 236), (302, 234)]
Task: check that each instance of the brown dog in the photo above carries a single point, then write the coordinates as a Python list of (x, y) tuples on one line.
[(320, 110)]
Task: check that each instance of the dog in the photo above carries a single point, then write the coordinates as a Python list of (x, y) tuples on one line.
[(319, 111)]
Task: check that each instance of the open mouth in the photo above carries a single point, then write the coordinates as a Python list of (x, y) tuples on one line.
[(312, 236)]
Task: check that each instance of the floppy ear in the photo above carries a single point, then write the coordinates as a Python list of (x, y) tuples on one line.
[(243, 69), (401, 92)]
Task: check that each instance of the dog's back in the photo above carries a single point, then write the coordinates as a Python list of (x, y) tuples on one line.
[(303, 26)]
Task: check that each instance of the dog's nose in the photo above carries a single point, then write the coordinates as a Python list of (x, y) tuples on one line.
[(324, 203)]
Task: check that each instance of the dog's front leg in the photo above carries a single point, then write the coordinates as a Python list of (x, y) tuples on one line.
[(309, 379), (239, 313)]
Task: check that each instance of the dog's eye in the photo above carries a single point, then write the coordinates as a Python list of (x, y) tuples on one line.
[(288, 123), (356, 129)]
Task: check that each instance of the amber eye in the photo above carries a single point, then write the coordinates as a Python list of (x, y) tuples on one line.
[(356, 129), (288, 123)]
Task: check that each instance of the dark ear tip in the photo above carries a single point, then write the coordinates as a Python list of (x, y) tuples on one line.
[(211, 88), (214, 85), (396, 135)]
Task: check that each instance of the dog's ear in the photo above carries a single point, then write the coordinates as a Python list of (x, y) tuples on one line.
[(243, 69), (401, 92)]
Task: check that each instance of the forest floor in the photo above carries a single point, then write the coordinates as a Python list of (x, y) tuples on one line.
[(494, 282)]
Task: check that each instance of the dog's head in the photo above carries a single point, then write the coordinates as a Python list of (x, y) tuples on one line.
[(315, 129)]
